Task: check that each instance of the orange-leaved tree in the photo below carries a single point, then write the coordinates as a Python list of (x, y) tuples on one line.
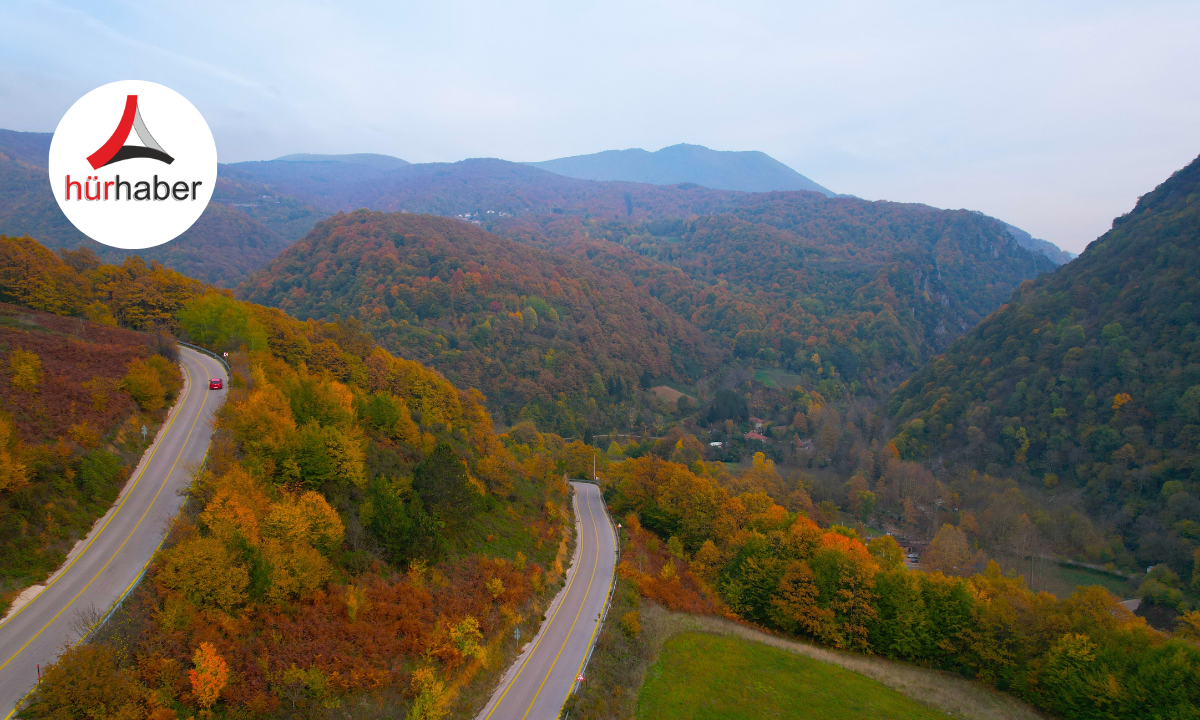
[(209, 674)]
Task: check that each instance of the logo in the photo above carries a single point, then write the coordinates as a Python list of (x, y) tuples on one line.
[(122, 187), (115, 150)]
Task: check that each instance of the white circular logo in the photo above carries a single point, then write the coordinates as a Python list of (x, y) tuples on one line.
[(133, 164)]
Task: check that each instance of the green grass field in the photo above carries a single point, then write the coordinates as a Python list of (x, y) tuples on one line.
[(1074, 577), (777, 378), (708, 676)]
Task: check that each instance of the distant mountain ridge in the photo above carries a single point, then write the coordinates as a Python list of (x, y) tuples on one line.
[(368, 159), (746, 171), (267, 205), (1045, 247)]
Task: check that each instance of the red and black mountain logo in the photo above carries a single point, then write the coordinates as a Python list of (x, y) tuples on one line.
[(115, 150)]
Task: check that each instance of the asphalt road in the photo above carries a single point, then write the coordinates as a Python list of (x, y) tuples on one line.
[(542, 677), (113, 556)]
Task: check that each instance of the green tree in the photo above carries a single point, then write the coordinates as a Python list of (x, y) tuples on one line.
[(441, 482), (399, 522)]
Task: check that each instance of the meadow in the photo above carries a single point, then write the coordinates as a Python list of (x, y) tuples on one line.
[(699, 675)]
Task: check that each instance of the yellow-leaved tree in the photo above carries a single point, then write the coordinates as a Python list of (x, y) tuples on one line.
[(203, 570), (26, 369), (144, 385)]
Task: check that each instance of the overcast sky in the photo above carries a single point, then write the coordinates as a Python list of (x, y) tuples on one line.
[(1054, 116)]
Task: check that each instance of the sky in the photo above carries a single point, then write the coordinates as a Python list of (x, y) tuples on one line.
[(1053, 116)]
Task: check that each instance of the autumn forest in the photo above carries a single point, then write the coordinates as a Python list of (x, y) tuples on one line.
[(879, 427)]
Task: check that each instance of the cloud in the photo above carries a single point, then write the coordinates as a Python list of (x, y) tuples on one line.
[(1054, 117)]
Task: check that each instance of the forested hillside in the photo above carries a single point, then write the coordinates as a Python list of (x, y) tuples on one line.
[(842, 291), (1085, 386), (357, 534), (546, 337)]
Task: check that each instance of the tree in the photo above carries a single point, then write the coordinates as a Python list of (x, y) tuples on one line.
[(795, 606), (399, 521), (209, 675), (887, 552), (26, 369), (441, 482), (728, 405), (948, 553), (761, 475), (204, 571)]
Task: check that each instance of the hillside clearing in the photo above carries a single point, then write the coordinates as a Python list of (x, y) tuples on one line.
[(954, 696), (699, 675)]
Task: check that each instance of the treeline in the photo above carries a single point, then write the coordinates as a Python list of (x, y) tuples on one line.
[(1080, 657), (1086, 386), (547, 339)]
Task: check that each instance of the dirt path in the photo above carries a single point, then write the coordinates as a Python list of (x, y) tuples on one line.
[(954, 695)]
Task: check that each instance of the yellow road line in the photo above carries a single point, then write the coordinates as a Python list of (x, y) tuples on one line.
[(577, 612), (131, 532), (532, 650), (596, 629), (61, 574)]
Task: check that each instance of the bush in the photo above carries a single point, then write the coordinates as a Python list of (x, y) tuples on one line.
[(99, 473), (26, 369), (144, 385), (86, 684)]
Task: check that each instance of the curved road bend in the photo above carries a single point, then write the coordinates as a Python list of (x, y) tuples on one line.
[(121, 545), (540, 680)]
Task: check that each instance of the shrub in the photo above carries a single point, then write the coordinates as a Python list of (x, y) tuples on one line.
[(98, 474), (631, 623), (26, 369), (144, 385), (86, 684)]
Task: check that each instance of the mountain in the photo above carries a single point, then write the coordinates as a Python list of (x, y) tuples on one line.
[(244, 227), (837, 290), (1056, 254), (366, 160), (1085, 386), (305, 172), (747, 171), (473, 187), (546, 337)]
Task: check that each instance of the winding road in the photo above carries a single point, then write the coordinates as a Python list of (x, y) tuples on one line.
[(543, 675), (111, 559)]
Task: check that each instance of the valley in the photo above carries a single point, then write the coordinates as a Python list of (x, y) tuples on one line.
[(781, 394)]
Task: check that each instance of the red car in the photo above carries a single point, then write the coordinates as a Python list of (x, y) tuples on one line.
[(215, 384)]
